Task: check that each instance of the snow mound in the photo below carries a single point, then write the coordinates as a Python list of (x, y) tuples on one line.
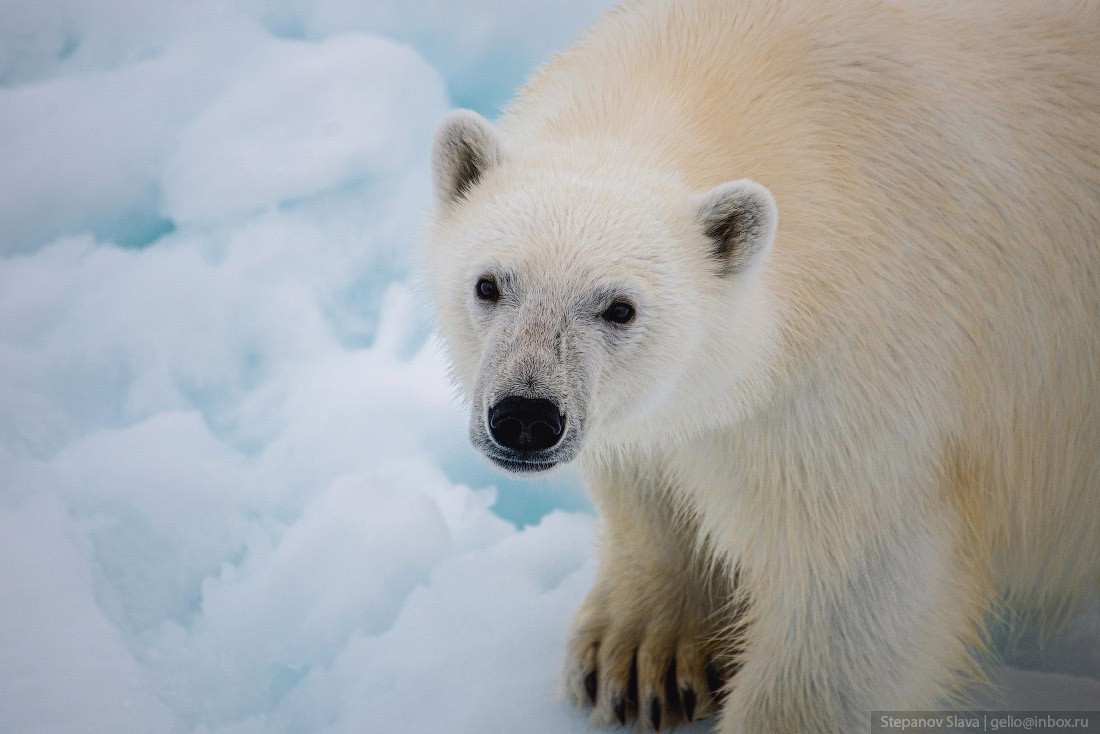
[(305, 119)]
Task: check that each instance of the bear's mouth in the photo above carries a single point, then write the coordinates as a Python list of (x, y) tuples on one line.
[(520, 465)]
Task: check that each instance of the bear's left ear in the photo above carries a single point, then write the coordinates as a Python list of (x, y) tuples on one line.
[(466, 145), (740, 218)]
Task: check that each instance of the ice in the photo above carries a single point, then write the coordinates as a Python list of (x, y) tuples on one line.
[(311, 117), (484, 50), (66, 668), (500, 610), (44, 40), (83, 152), (236, 494)]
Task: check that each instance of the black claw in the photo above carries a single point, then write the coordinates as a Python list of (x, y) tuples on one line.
[(655, 713), (673, 706), (687, 695), (620, 709), (632, 683), (590, 686)]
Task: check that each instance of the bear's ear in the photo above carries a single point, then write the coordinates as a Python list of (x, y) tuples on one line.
[(465, 146), (740, 218)]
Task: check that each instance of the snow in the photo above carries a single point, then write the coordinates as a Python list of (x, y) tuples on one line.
[(236, 495), (305, 119), (60, 649)]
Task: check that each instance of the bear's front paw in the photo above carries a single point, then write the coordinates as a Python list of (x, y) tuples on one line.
[(639, 657)]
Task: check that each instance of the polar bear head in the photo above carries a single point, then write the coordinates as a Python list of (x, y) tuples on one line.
[(573, 294)]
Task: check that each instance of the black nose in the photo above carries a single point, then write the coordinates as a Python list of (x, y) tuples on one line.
[(523, 424)]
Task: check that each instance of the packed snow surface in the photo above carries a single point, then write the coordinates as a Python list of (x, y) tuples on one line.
[(235, 491)]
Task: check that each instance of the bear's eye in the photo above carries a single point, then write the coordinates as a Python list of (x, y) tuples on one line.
[(487, 290), (619, 312)]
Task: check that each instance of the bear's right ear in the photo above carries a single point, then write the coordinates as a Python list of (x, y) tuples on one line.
[(466, 145)]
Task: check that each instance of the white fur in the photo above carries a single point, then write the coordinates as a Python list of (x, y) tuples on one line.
[(834, 460)]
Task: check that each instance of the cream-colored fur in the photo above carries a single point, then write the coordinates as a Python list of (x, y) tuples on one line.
[(876, 430)]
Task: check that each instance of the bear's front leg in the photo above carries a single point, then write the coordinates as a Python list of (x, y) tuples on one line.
[(890, 629), (646, 644)]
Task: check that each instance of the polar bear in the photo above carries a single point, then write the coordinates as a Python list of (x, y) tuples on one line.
[(810, 293)]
